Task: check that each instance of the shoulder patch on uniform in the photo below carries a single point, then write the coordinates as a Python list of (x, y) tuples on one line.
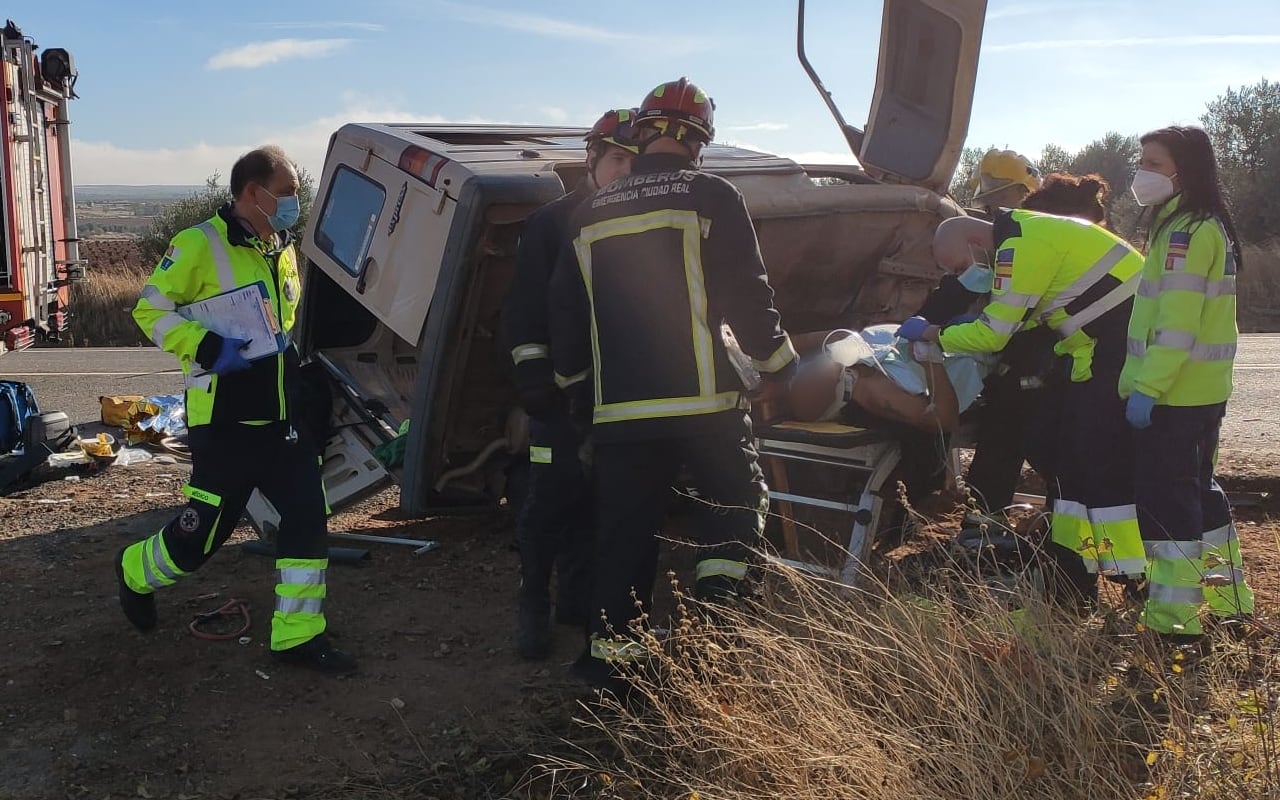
[(1175, 259), (170, 256), (1003, 270)]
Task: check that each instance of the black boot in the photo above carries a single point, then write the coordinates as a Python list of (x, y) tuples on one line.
[(533, 627), (140, 609), (318, 654)]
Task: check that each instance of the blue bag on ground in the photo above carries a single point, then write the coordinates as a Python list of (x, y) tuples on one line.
[(17, 403)]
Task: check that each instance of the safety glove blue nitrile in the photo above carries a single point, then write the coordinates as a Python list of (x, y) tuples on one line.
[(229, 358), (1138, 410), (913, 329)]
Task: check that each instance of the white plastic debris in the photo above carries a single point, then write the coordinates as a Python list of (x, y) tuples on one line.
[(129, 456)]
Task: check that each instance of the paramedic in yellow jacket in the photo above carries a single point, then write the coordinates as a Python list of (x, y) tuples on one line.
[(1177, 378), (1078, 280), (239, 413)]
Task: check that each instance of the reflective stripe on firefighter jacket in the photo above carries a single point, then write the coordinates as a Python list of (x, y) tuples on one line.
[(208, 259), (524, 312), (658, 261), (1065, 273), (1182, 335)]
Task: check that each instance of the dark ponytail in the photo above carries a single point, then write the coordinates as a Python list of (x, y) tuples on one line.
[(1069, 195)]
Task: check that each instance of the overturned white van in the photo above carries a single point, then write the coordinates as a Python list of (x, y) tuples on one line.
[(412, 244)]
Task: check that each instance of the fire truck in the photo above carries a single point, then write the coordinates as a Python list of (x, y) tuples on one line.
[(39, 245)]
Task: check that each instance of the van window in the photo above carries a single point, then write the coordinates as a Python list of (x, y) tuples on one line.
[(349, 218)]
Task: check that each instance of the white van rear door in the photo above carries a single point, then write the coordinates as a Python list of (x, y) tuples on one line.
[(924, 90), (380, 232)]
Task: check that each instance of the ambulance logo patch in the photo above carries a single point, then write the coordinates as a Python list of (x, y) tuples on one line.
[(1176, 259), (1003, 270), (291, 290), (189, 520), (170, 256)]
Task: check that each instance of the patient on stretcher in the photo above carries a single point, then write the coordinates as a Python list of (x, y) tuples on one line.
[(891, 380)]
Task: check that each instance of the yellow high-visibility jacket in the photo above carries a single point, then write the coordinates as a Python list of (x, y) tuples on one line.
[(1182, 334), (1065, 273), (218, 256)]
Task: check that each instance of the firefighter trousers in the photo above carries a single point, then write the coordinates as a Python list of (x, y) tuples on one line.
[(1095, 527), (555, 528), (634, 490), (1186, 521), (227, 464)]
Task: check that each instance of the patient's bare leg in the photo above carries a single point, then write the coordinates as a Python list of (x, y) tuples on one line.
[(814, 389)]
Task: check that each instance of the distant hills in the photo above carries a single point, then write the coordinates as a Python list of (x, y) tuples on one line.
[(106, 193)]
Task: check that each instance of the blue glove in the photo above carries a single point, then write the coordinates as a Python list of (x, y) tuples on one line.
[(229, 359), (963, 319), (913, 329), (1138, 410)]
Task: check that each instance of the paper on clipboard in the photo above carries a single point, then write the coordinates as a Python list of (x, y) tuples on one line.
[(243, 313)]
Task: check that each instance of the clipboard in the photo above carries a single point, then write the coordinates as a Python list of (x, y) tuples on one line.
[(242, 313)]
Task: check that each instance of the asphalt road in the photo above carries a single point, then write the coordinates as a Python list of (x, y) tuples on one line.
[(71, 380)]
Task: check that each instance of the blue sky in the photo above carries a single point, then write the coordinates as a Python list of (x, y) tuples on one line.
[(172, 92)]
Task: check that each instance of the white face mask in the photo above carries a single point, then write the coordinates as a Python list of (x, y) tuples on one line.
[(1151, 188)]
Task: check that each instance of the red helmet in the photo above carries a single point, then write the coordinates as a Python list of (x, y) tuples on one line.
[(678, 108), (615, 127)]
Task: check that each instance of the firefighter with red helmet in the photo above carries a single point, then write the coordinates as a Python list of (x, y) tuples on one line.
[(553, 531), (658, 261)]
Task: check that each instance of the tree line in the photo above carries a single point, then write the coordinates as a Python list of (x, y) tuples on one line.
[(1244, 125)]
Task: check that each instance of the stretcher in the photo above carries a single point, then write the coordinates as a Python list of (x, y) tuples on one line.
[(826, 478)]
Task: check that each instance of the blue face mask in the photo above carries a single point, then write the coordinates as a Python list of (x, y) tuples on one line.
[(978, 278), (288, 210)]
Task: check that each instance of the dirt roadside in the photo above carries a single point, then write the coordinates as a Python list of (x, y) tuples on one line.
[(92, 709)]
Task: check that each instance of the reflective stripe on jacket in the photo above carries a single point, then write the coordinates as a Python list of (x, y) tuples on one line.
[(1070, 275), (218, 256), (524, 312), (658, 261), (1182, 335)]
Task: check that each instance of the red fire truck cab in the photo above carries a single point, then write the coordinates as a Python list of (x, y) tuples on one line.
[(39, 245)]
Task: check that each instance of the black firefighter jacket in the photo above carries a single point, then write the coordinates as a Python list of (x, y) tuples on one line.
[(657, 262)]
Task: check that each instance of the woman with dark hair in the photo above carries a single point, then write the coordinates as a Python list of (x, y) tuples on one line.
[(1067, 195), (1177, 378)]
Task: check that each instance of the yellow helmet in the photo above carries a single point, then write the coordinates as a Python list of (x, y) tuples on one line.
[(1001, 169)]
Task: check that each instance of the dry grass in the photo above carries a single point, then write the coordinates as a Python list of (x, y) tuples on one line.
[(833, 693), (102, 306), (1259, 289)]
